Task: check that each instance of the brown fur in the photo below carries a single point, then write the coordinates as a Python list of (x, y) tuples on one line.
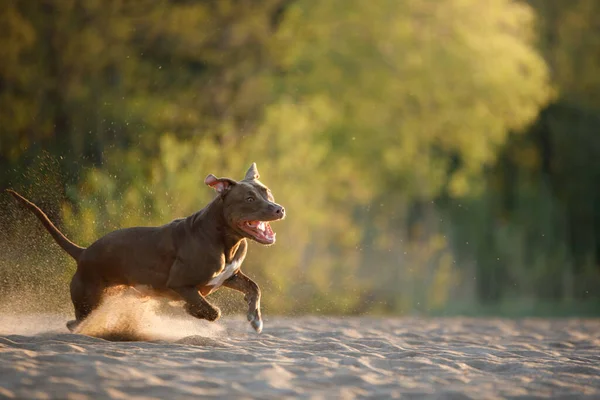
[(176, 260)]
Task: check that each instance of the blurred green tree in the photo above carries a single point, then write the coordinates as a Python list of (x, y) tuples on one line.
[(425, 94), (428, 152), (541, 210)]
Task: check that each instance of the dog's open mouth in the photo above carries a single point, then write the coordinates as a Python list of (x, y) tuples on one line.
[(260, 230)]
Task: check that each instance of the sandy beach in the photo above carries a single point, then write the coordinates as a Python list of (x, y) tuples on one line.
[(305, 357)]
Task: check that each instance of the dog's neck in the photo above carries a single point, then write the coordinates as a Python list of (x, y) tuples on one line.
[(211, 221)]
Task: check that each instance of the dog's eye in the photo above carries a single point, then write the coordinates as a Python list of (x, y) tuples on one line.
[(249, 199)]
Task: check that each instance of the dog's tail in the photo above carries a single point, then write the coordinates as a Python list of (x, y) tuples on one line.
[(68, 246)]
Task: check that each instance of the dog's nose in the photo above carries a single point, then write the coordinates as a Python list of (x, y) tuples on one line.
[(279, 211)]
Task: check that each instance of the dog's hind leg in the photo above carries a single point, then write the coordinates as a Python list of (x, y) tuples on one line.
[(86, 294)]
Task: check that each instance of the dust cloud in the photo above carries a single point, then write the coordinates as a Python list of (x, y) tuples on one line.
[(122, 316), (129, 316)]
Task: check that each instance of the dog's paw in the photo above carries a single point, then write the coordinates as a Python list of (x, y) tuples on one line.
[(214, 314), (257, 324), (255, 321), (72, 325), (211, 314)]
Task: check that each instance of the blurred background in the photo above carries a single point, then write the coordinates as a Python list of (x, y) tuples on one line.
[(435, 157)]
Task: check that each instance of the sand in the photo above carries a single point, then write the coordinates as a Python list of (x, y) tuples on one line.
[(305, 357)]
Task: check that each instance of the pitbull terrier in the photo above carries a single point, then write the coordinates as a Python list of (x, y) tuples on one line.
[(186, 259)]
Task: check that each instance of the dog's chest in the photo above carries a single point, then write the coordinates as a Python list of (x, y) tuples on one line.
[(226, 273)]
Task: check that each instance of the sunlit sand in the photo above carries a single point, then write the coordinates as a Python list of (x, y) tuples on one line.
[(307, 357)]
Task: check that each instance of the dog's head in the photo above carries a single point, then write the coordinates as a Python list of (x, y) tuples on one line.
[(248, 205)]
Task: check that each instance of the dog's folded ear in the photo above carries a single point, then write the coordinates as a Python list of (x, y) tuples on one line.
[(252, 173), (219, 184)]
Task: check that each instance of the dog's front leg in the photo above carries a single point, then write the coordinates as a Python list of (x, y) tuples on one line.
[(242, 283), (195, 304)]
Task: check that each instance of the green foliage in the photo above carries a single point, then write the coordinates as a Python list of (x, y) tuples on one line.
[(417, 84), (412, 143)]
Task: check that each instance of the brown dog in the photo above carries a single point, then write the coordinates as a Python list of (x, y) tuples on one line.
[(186, 259)]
